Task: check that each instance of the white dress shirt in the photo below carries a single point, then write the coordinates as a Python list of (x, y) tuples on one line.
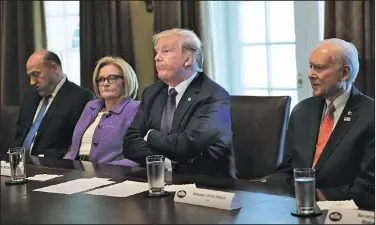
[(87, 137), (180, 88), (53, 95), (339, 104)]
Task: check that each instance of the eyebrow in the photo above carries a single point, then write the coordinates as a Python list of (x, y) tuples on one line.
[(164, 46), (109, 75), (316, 64), (32, 72)]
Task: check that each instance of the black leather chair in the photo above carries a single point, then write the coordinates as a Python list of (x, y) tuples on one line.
[(259, 126), (8, 121)]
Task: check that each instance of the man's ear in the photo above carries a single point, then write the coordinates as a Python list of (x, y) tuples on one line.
[(345, 73), (54, 67), (188, 60)]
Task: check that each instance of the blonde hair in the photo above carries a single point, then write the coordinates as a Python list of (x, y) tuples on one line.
[(189, 42), (130, 78)]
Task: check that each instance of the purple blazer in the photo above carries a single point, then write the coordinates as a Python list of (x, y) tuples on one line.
[(107, 146)]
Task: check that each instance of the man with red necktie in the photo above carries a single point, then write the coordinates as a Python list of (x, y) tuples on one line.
[(333, 131)]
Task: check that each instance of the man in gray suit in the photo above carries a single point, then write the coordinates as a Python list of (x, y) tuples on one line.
[(333, 131)]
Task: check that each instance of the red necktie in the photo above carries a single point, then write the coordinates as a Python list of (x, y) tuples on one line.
[(326, 129)]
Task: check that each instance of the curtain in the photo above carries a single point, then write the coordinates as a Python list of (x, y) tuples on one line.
[(354, 21), (204, 28), (19, 37), (105, 29), (176, 14)]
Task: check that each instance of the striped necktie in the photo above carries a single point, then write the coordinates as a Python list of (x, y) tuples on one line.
[(34, 128)]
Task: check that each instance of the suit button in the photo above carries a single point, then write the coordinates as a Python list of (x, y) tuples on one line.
[(96, 143)]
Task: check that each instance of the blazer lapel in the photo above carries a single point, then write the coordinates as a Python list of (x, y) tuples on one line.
[(313, 130), (58, 100), (31, 113), (158, 102), (94, 110), (189, 96), (342, 127)]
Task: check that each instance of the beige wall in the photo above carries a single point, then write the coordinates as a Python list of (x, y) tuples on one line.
[(142, 29)]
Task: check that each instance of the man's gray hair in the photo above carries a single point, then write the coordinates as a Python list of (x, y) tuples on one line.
[(190, 42), (347, 55)]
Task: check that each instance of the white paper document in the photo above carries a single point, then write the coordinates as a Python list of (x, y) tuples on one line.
[(348, 204), (76, 186), (174, 188), (124, 189), (44, 177)]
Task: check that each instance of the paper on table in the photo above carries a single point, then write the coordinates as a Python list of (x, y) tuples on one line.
[(5, 169), (174, 188), (124, 189), (44, 177), (348, 204), (76, 186)]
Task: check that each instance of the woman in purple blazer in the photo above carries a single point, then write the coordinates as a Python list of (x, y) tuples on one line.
[(98, 135)]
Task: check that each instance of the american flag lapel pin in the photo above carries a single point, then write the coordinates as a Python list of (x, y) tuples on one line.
[(189, 99)]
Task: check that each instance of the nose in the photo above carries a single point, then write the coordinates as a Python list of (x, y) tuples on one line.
[(157, 57), (32, 81), (311, 74), (105, 82)]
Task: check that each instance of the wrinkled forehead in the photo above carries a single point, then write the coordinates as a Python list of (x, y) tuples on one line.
[(324, 54), (34, 64)]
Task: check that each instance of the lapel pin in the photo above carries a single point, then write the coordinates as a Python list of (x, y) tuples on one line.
[(349, 113), (347, 119), (189, 99)]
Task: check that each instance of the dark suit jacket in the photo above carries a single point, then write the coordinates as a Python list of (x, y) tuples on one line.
[(54, 135), (201, 136), (347, 161)]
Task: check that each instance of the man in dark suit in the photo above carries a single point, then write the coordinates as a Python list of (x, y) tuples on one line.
[(185, 116), (333, 131), (50, 109)]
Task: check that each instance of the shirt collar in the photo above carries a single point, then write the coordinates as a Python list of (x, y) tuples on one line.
[(58, 86), (341, 100), (99, 104), (180, 88)]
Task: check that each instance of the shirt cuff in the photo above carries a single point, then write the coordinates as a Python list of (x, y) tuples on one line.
[(146, 136)]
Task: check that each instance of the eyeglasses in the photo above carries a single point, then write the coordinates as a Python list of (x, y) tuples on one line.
[(110, 79)]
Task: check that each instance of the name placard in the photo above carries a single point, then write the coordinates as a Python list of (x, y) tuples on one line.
[(349, 216), (5, 169), (208, 198)]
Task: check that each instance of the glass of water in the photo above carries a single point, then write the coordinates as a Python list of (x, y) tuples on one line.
[(17, 164), (304, 179), (156, 174)]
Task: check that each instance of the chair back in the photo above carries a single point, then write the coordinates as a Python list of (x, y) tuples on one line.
[(8, 122), (259, 126)]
